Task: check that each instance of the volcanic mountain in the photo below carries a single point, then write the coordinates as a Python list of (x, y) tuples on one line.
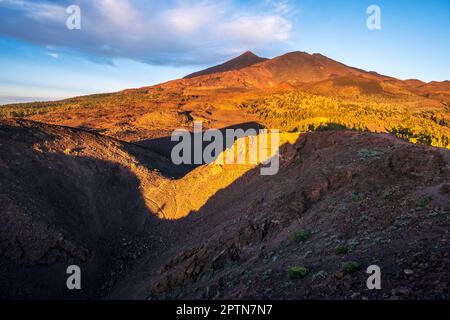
[(292, 68), (314, 73), (246, 59), (214, 96), (301, 67), (217, 99)]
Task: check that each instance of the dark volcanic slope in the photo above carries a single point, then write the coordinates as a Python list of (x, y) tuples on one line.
[(382, 201), (244, 60), (73, 197), (67, 197)]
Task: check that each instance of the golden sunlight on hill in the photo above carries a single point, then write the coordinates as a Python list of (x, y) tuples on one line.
[(175, 199)]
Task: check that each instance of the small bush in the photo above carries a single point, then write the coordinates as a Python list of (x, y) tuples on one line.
[(368, 154), (342, 249), (386, 194), (297, 272), (302, 235), (357, 196), (423, 201), (350, 266)]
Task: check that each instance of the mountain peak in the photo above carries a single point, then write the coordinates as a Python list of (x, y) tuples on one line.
[(246, 59), (248, 53)]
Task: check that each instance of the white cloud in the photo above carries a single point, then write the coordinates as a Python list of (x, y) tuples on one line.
[(258, 29), (119, 12), (155, 32), (190, 18), (53, 55)]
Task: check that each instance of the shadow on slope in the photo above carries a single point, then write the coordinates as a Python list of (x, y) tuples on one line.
[(58, 210), (165, 145), (346, 188)]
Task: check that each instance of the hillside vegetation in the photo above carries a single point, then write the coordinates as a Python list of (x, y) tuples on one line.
[(93, 102), (297, 111)]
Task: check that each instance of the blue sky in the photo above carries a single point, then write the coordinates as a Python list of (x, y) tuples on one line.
[(133, 43)]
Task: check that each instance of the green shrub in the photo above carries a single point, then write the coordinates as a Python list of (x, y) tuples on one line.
[(297, 272), (342, 249), (423, 201), (302, 235), (350, 266), (357, 196)]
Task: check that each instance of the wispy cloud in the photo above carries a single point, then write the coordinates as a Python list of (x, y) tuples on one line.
[(53, 55), (281, 6), (36, 10), (155, 32), (258, 29)]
